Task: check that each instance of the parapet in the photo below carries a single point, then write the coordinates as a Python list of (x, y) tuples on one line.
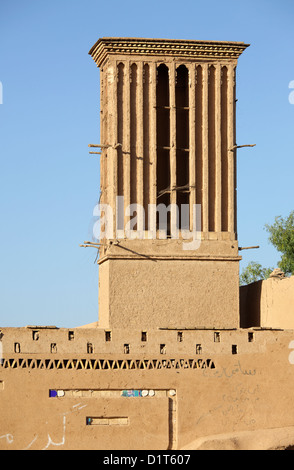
[(186, 49), (93, 343)]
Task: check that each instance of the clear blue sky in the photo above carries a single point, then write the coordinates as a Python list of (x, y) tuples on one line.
[(50, 113)]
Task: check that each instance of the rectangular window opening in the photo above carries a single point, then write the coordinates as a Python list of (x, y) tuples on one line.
[(126, 349), (180, 336), (107, 335), (198, 349), (250, 337), (234, 349), (144, 336), (211, 147), (120, 118), (217, 337), (182, 144), (35, 335), (162, 349), (163, 140), (71, 335), (90, 348)]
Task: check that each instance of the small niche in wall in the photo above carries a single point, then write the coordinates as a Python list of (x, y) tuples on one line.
[(234, 349), (250, 337), (71, 335), (217, 337), (17, 347), (144, 336), (53, 348), (162, 349), (107, 335), (180, 336), (198, 349), (35, 335), (1, 385), (126, 349), (90, 348)]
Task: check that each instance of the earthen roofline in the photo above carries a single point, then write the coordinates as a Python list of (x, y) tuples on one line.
[(192, 49)]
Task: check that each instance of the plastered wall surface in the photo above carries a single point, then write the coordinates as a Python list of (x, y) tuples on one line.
[(173, 293), (268, 303), (156, 389)]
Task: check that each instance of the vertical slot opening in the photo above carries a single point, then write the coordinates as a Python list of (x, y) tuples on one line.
[(162, 349), (144, 336), (133, 133), (234, 349), (211, 148), (90, 348), (198, 349), (180, 336), (71, 335), (107, 335), (224, 148), (217, 337), (198, 136), (163, 138), (126, 349), (250, 337), (182, 141), (120, 119), (146, 137), (35, 335)]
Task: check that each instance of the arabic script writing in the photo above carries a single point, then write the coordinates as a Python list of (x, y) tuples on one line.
[(228, 372)]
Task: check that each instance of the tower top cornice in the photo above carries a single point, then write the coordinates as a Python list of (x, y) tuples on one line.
[(184, 49)]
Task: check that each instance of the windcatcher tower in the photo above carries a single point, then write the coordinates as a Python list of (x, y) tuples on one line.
[(168, 137)]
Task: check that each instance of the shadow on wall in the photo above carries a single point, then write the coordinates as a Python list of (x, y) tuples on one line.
[(250, 300), (269, 303)]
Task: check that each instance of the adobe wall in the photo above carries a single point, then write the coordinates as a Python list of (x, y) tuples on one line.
[(118, 389), (268, 303), (173, 293), (158, 284), (167, 139)]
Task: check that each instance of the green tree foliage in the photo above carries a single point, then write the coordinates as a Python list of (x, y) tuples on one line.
[(282, 238), (254, 272)]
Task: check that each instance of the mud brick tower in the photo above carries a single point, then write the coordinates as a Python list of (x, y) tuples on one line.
[(168, 138), (167, 367)]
